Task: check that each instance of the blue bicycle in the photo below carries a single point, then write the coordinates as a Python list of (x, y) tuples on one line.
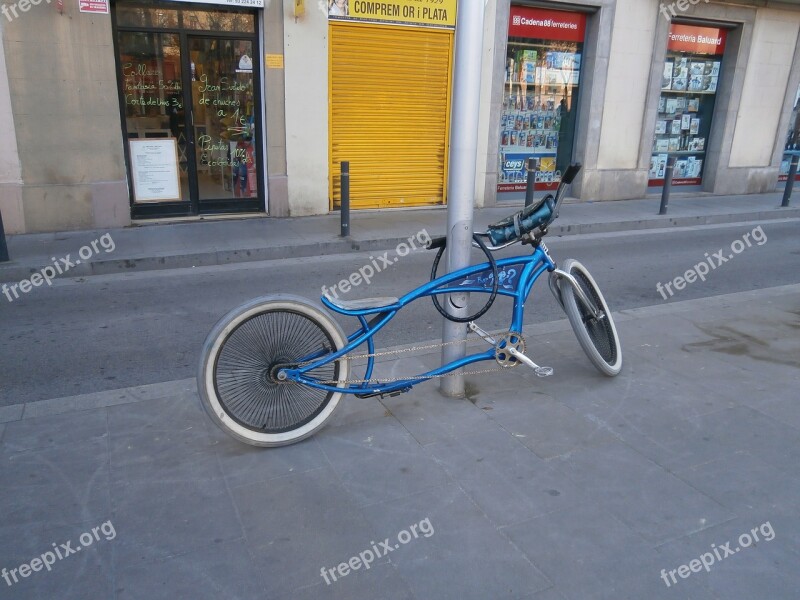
[(273, 371)]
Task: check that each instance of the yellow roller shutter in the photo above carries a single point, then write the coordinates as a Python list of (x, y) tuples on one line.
[(389, 113)]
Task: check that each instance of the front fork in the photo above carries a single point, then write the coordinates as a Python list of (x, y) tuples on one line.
[(553, 282)]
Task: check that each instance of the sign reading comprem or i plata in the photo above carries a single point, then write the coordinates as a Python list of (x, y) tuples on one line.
[(428, 13)]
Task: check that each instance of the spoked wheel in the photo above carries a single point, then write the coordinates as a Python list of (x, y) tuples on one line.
[(597, 336), (242, 356)]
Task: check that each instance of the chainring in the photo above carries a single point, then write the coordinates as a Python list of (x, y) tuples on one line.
[(502, 354)]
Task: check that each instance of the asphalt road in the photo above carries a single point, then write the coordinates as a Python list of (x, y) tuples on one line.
[(109, 332)]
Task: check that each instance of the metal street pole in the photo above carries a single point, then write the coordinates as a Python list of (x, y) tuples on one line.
[(344, 209), (787, 191), (461, 184), (3, 246)]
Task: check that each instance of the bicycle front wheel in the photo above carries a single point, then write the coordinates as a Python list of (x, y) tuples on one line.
[(597, 336), (241, 357)]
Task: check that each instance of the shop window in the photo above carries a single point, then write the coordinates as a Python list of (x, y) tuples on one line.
[(150, 76), (211, 20), (147, 15), (792, 139), (190, 102), (143, 16), (689, 85), (540, 94)]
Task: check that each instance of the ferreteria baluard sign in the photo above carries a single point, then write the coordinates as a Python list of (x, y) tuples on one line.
[(426, 13)]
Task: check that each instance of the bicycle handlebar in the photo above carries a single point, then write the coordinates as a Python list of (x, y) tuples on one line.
[(510, 230), (538, 215)]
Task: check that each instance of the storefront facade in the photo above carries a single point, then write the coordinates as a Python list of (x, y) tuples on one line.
[(190, 97), (722, 110), (118, 111), (686, 105), (170, 108), (540, 97), (389, 99)]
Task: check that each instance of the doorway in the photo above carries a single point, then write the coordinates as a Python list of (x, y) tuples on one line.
[(190, 95)]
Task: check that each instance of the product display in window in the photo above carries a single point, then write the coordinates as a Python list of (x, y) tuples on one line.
[(688, 92), (540, 92)]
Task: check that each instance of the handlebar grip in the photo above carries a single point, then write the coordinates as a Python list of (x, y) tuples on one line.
[(437, 243), (571, 172)]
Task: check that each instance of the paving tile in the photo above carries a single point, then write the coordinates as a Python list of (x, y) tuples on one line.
[(46, 408), (704, 370), (85, 573), (390, 476), (57, 486), (547, 427), (751, 431), (383, 461), (654, 427), (744, 484), (650, 500), (464, 556), (587, 553), (548, 594), (761, 345), (164, 390), (104, 399), (155, 521), (429, 416), (767, 569), (361, 583), (242, 464), (355, 410), (503, 478), (89, 582), (784, 410), (373, 437), (179, 413), (55, 431), (11, 413), (219, 570), (680, 396), (163, 456), (298, 524)]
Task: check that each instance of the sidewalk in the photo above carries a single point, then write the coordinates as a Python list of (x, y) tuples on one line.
[(574, 486), (216, 242)]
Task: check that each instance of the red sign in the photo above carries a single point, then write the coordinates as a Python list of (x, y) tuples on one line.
[(689, 181), (93, 6), (521, 187), (697, 40), (543, 24)]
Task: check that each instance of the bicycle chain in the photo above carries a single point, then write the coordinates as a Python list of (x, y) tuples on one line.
[(503, 365)]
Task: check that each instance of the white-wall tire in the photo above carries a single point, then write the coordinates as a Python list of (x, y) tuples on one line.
[(599, 339), (270, 401)]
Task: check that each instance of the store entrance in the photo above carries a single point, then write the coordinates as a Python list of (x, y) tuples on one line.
[(190, 100)]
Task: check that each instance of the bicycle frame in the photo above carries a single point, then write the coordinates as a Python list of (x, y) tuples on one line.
[(464, 280)]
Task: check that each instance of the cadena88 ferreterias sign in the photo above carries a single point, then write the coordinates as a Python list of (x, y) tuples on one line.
[(428, 13)]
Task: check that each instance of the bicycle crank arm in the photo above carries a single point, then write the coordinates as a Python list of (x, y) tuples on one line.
[(485, 336), (540, 371)]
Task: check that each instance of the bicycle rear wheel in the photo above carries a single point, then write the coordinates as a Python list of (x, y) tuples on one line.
[(241, 357), (597, 337)]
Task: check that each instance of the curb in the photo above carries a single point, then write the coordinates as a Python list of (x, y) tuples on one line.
[(12, 272)]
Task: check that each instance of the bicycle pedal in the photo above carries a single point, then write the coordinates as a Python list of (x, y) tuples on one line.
[(543, 371)]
